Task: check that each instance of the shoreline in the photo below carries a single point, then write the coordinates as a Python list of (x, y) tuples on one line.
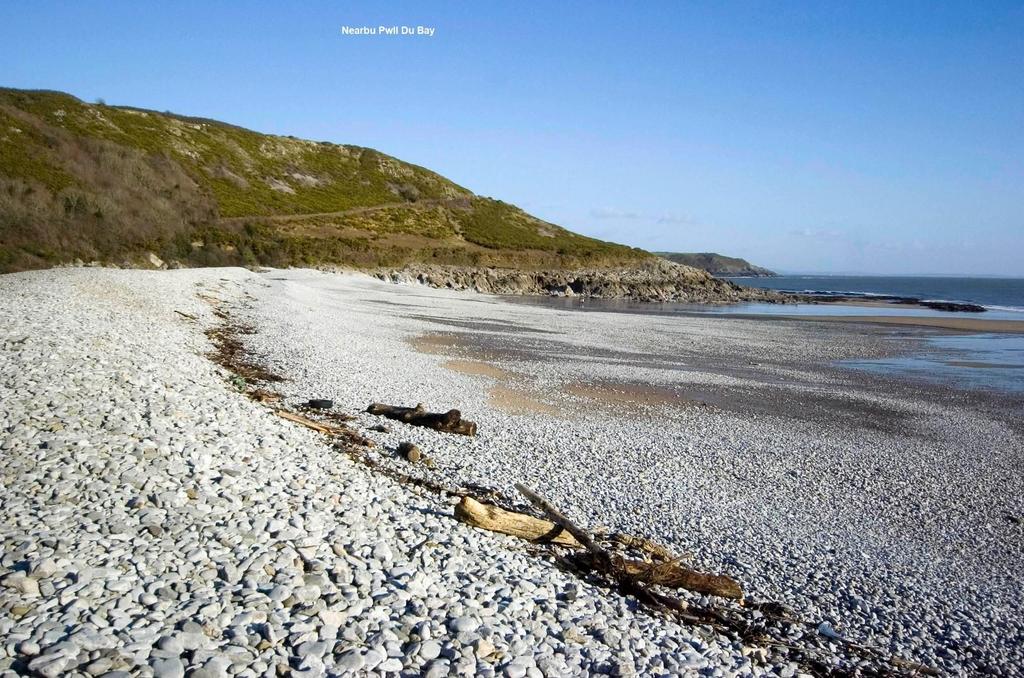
[(770, 384), (969, 325), (803, 481), (892, 301), (962, 322), (661, 282)]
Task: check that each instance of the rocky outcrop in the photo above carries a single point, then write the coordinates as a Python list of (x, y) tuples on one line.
[(949, 306), (657, 280), (718, 264)]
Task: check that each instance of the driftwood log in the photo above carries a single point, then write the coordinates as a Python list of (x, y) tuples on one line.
[(446, 422), (601, 556), (675, 576), (560, 530), (341, 432), (669, 573), (495, 519), (326, 429)]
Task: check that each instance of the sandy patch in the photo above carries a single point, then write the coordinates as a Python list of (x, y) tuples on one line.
[(514, 401), (511, 396), (504, 396), (435, 343), (620, 395), (477, 368)]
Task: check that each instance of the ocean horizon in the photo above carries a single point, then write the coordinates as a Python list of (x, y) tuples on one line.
[(996, 293)]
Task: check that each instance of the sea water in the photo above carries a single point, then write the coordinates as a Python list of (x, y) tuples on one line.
[(996, 294), (973, 361), (981, 360)]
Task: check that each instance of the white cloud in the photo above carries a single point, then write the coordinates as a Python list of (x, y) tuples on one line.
[(612, 213), (818, 234), (628, 215), (676, 219)]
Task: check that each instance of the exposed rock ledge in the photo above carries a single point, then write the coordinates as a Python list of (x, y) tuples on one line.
[(654, 281)]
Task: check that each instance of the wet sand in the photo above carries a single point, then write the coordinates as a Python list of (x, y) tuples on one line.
[(982, 365), (960, 324), (478, 368), (516, 401)]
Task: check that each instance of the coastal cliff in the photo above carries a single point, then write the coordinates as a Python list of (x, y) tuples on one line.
[(654, 281), (718, 264), (136, 188)]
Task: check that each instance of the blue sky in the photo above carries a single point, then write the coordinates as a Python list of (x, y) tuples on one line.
[(861, 137)]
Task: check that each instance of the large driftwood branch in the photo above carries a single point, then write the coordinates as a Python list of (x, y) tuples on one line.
[(652, 549), (674, 575), (495, 519), (560, 530), (446, 422), (670, 574), (582, 536)]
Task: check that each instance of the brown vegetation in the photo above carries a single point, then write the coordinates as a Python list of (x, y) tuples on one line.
[(113, 184)]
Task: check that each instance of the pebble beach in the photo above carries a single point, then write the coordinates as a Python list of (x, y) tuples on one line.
[(157, 521)]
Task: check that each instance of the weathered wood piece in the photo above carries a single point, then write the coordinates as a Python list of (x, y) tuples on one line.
[(495, 519), (341, 433), (410, 451), (914, 667), (446, 422), (308, 423), (653, 549), (669, 573), (674, 575), (581, 535)]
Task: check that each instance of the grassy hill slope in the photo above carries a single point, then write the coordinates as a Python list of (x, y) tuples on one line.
[(111, 183)]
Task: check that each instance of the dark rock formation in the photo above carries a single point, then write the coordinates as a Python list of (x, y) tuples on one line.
[(954, 306), (950, 306), (718, 264), (655, 280)]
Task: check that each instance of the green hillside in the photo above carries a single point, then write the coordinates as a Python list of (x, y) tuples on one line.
[(112, 183)]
